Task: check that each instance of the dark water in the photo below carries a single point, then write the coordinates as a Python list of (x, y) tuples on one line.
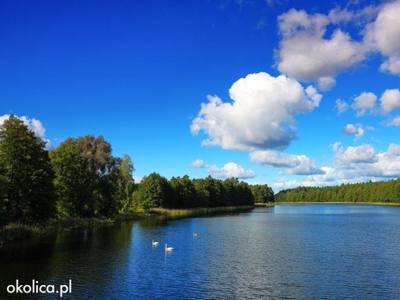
[(322, 251)]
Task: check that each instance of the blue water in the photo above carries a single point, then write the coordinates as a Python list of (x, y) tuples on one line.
[(321, 251)]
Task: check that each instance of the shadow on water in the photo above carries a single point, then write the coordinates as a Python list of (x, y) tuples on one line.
[(84, 256)]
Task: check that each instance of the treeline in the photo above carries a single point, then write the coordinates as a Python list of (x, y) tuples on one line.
[(183, 192), (371, 192), (81, 178)]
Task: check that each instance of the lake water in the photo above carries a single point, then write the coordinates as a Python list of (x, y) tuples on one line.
[(312, 251)]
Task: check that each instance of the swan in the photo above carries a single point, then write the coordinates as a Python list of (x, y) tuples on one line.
[(195, 234), (154, 243), (168, 248)]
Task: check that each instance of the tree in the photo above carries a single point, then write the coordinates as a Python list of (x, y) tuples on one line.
[(153, 191), (262, 193), (71, 185), (184, 192), (27, 191), (125, 183), (86, 175), (231, 186)]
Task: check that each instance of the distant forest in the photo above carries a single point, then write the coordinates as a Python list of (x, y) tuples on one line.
[(81, 178), (369, 192)]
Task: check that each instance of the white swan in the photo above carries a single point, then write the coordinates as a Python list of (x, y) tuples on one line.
[(154, 243), (168, 248), (195, 234)]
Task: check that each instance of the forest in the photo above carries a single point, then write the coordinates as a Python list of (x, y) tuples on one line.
[(368, 192), (81, 178)]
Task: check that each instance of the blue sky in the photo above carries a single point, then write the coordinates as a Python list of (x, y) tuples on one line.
[(286, 93)]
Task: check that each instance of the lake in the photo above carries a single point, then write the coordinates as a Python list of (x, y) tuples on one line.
[(310, 251)]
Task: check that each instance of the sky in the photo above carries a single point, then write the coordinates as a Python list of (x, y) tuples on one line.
[(277, 92)]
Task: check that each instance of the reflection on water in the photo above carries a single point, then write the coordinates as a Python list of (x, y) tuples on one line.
[(287, 251)]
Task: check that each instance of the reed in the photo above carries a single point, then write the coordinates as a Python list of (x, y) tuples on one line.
[(199, 211), (18, 231)]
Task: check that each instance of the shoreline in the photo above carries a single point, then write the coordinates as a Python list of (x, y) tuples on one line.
[(15, 232), (199, 211)]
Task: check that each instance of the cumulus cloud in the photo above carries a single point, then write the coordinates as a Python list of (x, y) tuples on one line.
[(364, 103), (326, 83), (352, 129), (390, 100), (393, 122), (308, 53), (198, 163), (292, 164), (341, 106), (228, 170), (305, 54), (35, 125), (383, 35), (261, 115), (351, 165), (360, 154), (364, 162)]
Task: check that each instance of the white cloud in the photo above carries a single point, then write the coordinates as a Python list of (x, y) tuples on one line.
[(229, 170), (351, 165), (363, 163), (360, 154), (305, 53), (352, 129), (328, 176), (198, 163), (137, 179), (341, 106), (261, 115), (390, 100), (364, 103), (284, 183), (383, 35), (326, 83), (292, 164), (393, 122), (35, 125)]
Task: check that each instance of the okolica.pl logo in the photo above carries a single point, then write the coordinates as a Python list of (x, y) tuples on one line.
[(37, 288)]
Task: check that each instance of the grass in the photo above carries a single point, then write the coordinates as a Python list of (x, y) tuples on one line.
[(267, 204), (19, 231), (200, 211)]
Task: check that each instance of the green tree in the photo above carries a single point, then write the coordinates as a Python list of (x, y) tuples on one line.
[(86, 175), (202, 193), (71, 185), (262, 193), (231, 186), (125, 183), (153, 191), (246, 196), (26, 182), (184, 192)]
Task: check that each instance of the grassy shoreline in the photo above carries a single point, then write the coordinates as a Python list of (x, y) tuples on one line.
[(18, 231), (267, 204), (200, 211)]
